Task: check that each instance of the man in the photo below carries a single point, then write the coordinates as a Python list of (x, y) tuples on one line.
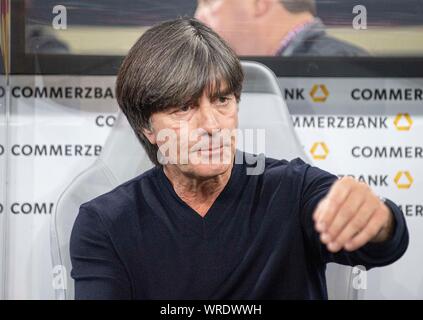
[(197, 226), (272, 28)]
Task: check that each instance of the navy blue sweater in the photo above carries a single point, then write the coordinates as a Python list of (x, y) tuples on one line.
[(257, 241)]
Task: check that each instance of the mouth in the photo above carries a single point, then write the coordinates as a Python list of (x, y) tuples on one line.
[(220, 154), (210, 150), (220, 147), (215, 148)]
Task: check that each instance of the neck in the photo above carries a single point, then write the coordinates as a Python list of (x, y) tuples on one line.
[(270, 38), (198, 193)]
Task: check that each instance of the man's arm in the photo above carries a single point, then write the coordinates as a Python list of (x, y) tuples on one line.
[(96, 268), (347, 223)]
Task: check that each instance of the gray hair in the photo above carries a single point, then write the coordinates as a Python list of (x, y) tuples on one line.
[(172, 65), (297, 6)]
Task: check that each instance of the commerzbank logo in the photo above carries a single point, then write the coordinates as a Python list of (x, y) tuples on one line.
[(403, 122), (403, 179), (319, 93), (319, 150)]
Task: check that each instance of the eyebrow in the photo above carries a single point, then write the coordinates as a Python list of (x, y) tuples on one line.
[(216, 94)]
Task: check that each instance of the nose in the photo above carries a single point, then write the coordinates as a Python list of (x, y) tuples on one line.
[(208, 120)]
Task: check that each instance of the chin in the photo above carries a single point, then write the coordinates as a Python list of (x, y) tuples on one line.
[(206, 171), (209, 164)]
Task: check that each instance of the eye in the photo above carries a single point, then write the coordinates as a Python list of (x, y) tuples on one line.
[(183, 109), (222, 101)]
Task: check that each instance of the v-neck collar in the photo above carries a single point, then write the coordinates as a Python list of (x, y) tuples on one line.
[(203, 226)]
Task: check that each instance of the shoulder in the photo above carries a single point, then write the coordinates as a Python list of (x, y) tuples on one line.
[(332, 46), (325, 45), (315, 41), (122, 199), (260, 165), (299, 174), (279, 175), (111, 219), (296, 166)]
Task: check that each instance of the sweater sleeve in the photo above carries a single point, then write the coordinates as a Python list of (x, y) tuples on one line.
[(96, 268), (315, 185)]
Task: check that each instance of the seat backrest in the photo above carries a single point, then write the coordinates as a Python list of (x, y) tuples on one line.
[(122, 158), (263, 108)]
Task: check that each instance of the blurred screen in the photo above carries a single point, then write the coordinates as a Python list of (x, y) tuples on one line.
[(107, 27)]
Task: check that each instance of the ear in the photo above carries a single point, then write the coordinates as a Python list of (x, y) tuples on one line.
[(149, 134), (262, 7)]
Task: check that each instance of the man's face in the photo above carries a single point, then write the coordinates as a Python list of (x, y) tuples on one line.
[(231, 19), (199, 139)]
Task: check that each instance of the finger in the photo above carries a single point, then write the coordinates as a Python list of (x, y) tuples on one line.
[(341, 189), (335, 198), (320, 207), (346, 212), (356, 224), (325, 208), (369, 232), (317, 210)]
